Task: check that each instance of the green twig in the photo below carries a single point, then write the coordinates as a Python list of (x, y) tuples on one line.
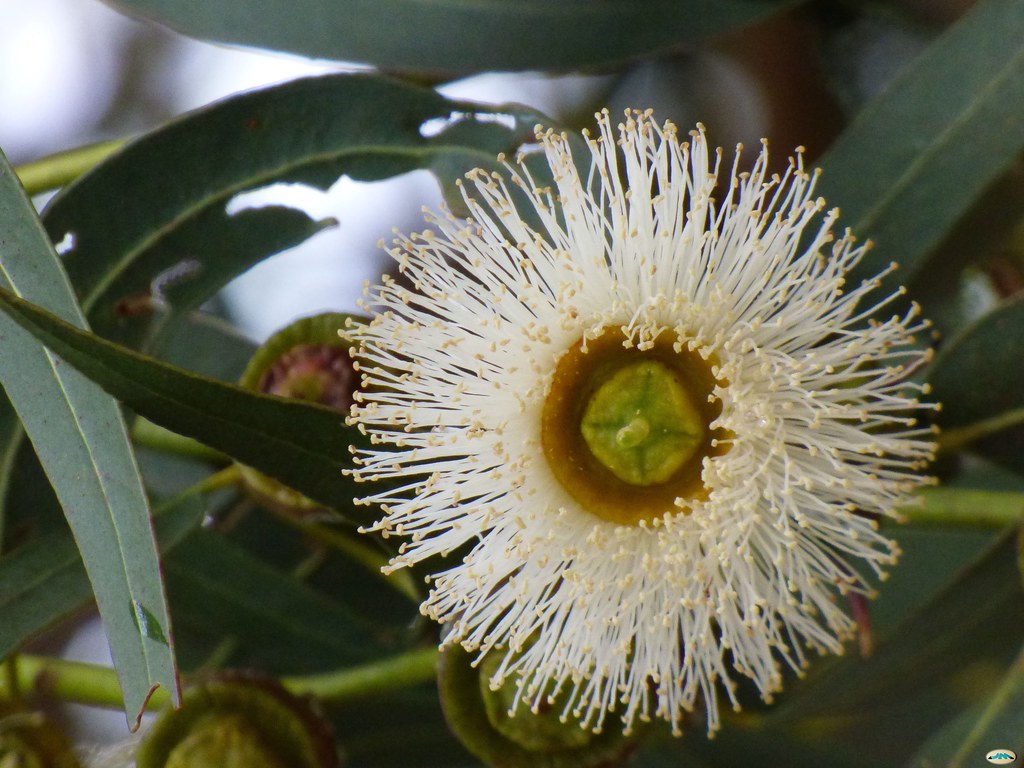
[(157, 438), (1006, 695), (358, 551), (226, 478), (220, 655), (10, 676), (953, 440), (410, 668), (62, 168), (967, 507), (76, 681), (96, 685)]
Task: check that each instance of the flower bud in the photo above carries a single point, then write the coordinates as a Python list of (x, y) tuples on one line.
[(29, 740), (239, 722), (307, 360), (530, 735)]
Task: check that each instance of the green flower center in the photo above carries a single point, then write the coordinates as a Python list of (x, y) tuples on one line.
[(642, 424), (626, 431)]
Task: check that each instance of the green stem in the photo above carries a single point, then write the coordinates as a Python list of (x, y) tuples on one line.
[(310, 564), (226, 478), (967, 507), (358, 551), (96, 685), (953, 440), (155, 437), (77, 681), (11, 676), (410, 668), (992, 716), (219, 657), (62, 168)]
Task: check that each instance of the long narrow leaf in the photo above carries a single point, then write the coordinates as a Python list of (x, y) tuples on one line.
[(303, 445), (459, 36), (172, 244), (172, 236), (997, 724), (278, 623), (986, 349), (80, 437), (11, 435), (941, 637), (917, 157), (44, 580)]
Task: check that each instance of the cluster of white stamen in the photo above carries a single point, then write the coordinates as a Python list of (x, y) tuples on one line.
[(643, 620)]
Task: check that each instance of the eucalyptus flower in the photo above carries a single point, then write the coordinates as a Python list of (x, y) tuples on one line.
[(646, 416)]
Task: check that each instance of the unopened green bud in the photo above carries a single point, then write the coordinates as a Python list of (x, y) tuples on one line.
[(534, 735), (309, 361), (29, 740), (239, 722), (539, 727), (227, 741)]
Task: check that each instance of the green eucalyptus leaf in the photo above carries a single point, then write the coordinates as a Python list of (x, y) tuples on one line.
[(917, 157), (941, 638), (189, 262), (996, 723), (350, 575), (32, 506), (931, 553), (80, 437), (977, 377), (303, 445), (1020, 552), (40, 582), (399, 728), (11, 434), (173, 242), (977, 374), (436, 35), (220, 592), (734, 745), (44, 581), (207, 345)]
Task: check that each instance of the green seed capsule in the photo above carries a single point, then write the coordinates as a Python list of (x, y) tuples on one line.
[(307, 360), (239, 722), (30, 740), (536, 735)]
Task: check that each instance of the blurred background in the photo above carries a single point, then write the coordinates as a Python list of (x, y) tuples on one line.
[(74, 72)]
